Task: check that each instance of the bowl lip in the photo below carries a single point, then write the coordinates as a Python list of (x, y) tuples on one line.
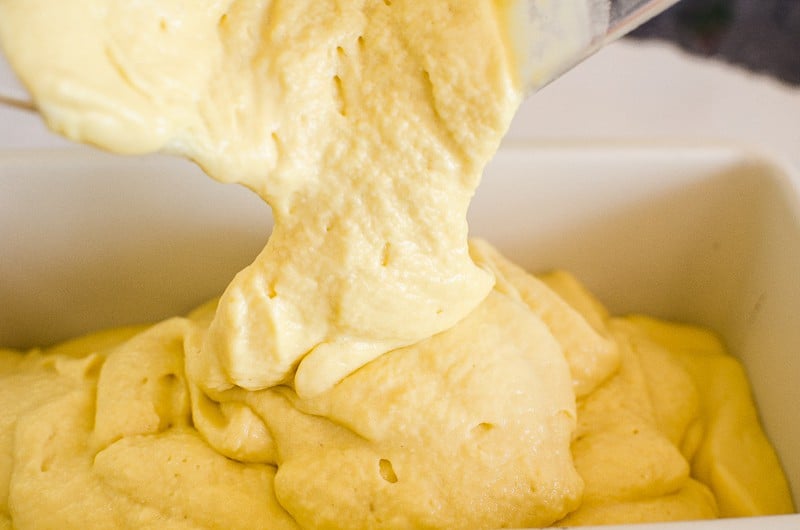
[(740, 149), (773, 522), (508, 144), (778, 167), (787, 171)]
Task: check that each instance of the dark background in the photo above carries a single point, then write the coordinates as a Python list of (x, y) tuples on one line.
[(761, 35)]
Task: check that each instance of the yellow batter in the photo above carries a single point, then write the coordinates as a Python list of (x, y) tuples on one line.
[(370, 368)]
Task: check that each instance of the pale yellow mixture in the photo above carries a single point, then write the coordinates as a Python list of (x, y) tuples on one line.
[(371, 369)]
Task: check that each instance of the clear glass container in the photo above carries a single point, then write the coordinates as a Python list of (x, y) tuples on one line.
[(552, 36)]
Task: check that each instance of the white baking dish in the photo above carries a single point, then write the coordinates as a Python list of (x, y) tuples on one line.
[(708, 235)]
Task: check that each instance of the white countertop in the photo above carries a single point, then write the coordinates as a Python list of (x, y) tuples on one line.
[(650, 90), (631, 90)]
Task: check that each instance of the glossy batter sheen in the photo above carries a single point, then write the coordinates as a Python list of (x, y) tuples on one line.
[(370, 368)]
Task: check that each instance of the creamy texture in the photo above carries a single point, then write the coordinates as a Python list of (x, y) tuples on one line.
[(448, 433), (365, 125), (370, 368)]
